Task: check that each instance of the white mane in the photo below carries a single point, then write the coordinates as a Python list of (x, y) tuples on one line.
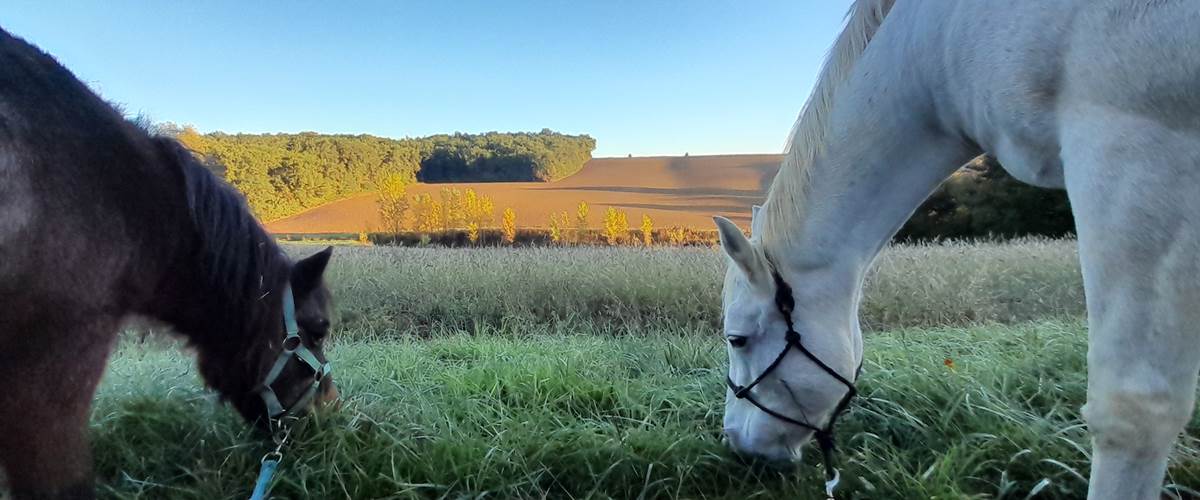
[(808, 135)]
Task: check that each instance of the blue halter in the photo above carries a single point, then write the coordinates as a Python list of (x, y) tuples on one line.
[(293, 348)]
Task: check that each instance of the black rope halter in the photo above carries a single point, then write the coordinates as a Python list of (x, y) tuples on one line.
[(786, 303)]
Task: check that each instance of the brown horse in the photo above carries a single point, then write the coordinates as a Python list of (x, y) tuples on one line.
[(99, 221)]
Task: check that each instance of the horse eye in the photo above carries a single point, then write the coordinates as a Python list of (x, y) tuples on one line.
[(318, 328), (736, 341)]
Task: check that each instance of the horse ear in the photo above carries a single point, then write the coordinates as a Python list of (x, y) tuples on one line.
[(755, 222), (740, 250), (306, 274)]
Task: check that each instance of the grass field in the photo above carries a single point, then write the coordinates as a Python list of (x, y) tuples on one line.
[(597, 373), (385, 292)]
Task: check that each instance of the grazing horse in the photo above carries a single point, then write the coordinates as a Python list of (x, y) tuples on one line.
[(100, 221), (1100, 97)]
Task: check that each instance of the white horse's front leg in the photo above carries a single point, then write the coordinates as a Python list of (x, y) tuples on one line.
[(1134, 188)]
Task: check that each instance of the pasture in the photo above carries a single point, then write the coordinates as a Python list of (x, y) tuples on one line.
[(598, 373)]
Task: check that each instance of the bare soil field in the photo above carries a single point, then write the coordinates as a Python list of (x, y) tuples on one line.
[(681, 191)]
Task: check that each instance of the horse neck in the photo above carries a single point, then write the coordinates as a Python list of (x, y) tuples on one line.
[(223, 306), (873, 173), (888, 145), (228, 328), (857, 201)]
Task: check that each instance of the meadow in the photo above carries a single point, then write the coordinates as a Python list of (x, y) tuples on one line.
[(597, 373)]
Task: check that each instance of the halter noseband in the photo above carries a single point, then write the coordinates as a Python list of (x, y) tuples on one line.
[(785, 302), (293, 347)]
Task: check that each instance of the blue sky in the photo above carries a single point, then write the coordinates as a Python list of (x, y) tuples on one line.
[(642, 77)]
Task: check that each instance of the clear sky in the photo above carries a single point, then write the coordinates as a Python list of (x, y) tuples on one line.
[(642, 77)]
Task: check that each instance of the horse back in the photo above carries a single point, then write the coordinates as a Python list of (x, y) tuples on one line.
[(81, 191)]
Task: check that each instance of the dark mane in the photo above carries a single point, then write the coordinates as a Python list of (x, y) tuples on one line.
[(236, 273), (237, 253)]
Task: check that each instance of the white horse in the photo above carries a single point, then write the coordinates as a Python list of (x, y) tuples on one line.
[(1101, 97)]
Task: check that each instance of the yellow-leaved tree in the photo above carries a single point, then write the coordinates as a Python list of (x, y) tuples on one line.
[(473, 232), (451, 204), (676, 235), (581, 222), (508, 224), (478, 209), (393, 201), (616, 225), (558, 226), (647, 230), (469, 214), (429, 213)]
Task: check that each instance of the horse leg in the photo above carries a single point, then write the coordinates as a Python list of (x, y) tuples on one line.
[(50, 379), (1133, 184)]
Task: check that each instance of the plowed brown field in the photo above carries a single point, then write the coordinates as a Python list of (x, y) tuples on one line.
[(672, 190)]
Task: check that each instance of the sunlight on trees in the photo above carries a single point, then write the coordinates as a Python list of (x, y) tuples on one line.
[(676, 235), (429, 213), (559, 222), (393, 201), (616, 226), (581, 222), (282, 174), (508, 225)]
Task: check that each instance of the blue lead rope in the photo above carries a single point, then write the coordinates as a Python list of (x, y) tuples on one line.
[(262, 486)]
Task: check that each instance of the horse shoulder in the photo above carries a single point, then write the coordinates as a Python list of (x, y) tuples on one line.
[(17, 205)]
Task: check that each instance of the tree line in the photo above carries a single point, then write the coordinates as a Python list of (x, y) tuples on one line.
[(283, 174)]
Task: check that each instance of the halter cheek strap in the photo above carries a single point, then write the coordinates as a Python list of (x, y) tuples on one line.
[(293, 348)]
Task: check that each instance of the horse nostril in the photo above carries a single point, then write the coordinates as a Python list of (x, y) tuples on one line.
[(330, 396)]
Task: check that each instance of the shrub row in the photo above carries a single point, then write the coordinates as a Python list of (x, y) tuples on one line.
[(981, 200), (530, 237)]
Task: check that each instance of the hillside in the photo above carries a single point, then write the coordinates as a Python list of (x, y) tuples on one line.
[(285, 174), (672, 190)]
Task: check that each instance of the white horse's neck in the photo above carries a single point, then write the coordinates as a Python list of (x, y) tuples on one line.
[(880, 149), (858, 200), (881, 159)]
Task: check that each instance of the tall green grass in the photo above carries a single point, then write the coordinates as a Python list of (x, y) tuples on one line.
[(386, 291), (598, 373), (533, 412)]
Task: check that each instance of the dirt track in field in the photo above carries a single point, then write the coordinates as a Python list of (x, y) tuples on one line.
[(672, 190)]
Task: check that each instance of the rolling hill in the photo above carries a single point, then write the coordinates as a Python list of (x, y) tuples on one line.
[(673, 190)]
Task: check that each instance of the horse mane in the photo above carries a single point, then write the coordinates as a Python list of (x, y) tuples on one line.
[(239, 261), (807, 138)]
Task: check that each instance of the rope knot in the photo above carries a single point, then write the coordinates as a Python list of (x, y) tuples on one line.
[(792, 337)]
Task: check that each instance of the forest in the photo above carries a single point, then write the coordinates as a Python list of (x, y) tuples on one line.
[(283, 174)]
